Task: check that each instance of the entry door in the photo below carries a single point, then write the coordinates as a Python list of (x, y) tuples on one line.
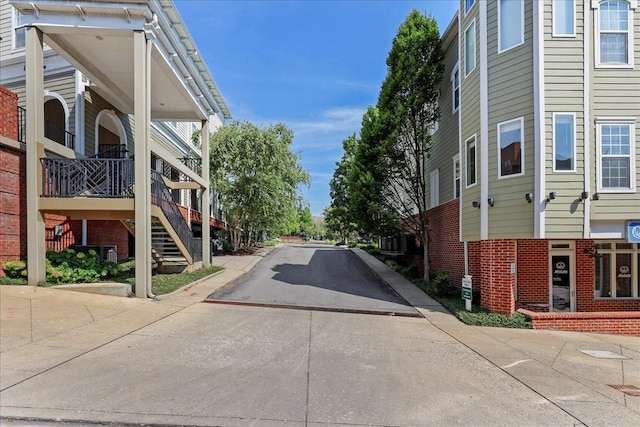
[(562, 292)]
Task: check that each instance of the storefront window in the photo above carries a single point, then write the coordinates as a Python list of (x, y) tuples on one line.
[(617, 272)]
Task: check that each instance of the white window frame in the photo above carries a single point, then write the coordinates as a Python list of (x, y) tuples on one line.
[(434, 188), (471, 140), (519, 43), (15, 25), (499, 149), (554, 19), (456, 70), (457, 179), (635, 270), (472, 23), (633, 4), (617, 121), (468, 5), (553, 142)]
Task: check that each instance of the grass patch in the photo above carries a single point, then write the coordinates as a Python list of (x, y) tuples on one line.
[(441, 290), (269, 243), (162, 284)]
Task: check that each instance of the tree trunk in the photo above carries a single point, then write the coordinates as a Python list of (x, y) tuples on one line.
[(425, 254)]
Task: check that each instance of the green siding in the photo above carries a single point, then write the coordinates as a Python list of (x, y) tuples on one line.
[(616, 93), (564, 93), (510, 80), (444, 143)]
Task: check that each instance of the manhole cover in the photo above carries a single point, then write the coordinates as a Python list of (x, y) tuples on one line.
[(603, 354), (630, 390)]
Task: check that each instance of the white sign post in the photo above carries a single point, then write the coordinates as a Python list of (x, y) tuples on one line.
[(467, 294)]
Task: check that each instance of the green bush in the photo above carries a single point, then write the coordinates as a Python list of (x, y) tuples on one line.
[(13, 281), (227, 246), (15, 269)]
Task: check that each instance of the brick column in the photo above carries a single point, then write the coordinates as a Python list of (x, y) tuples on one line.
[(497, 283)]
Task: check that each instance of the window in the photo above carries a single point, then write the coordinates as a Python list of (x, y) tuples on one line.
[(511, 22), (455, 89), (470, 149), (434, 187), (615, 155), (564, 12), (510, 154), (616, 272), (456, 176), (19, 40), (470, 48), (564, 143), (468, 4), (614, 41)]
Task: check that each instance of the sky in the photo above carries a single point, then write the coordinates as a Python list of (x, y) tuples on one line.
[(312, 65)]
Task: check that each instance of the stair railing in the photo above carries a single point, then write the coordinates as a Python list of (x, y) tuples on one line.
[(161, 197)]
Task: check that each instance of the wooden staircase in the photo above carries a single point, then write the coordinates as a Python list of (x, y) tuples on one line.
[(166, 254)]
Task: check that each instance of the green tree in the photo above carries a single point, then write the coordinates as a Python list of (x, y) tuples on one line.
[(339, 216), (257, 177), (408, 108), (306, 220)]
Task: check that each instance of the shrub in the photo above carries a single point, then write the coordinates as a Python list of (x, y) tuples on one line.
[(15, 269)]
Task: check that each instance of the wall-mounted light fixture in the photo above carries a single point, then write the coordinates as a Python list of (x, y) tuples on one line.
[(584, 195), (475, 204), (592, 252), (596, 196), (551, 196), (490, 201), (528, 197)]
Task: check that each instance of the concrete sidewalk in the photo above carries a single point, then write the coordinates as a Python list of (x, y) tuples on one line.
[(44, 328), (41, 328)]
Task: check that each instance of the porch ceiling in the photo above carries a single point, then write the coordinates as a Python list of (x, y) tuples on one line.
[(99, 43)]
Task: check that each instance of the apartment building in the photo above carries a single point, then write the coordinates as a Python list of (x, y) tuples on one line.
[(106, 98), (535, 167)]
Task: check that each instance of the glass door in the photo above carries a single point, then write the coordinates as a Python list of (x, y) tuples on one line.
[(562, 283)]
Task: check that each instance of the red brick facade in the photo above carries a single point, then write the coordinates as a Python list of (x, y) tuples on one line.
[(621, 323), (446, 251), (9, 114)]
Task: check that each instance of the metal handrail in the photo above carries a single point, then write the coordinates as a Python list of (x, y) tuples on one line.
[(61, 136), (22, 125), (111, 151), (161, 197), (109, 178)]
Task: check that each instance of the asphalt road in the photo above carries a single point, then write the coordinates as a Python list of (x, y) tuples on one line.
[(312, 276)]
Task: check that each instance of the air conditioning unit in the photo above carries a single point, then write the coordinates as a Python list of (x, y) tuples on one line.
[(105, 252)]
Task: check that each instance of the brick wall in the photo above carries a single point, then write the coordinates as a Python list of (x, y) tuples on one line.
[(446, 252), (9, 114), (497, 284), (109, 232), (13, 205), (533, 273), (621, 323)]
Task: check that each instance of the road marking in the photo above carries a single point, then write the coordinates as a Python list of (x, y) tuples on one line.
[(511, 365)]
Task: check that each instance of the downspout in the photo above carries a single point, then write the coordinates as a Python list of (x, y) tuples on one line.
[(79, 130), (586, 121)]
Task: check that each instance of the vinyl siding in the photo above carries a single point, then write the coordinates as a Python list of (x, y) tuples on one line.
[(6, 29), (444, 143), (61, 84), (616, 93), (470, 125), (94, 104), (564, 93), (510, 80)]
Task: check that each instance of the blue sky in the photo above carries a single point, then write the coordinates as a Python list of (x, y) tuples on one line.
[(313, 65)]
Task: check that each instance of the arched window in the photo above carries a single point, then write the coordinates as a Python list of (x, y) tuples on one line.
[(614, 41), (56, 120), (110, 135)]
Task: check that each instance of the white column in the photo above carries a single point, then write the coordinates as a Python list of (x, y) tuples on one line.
[(142, 204), (34, 82), (205, 202)]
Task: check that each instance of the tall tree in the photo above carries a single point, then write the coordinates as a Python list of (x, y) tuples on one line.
[(408, 107), (366, 179), (339, 214), (257, 176)]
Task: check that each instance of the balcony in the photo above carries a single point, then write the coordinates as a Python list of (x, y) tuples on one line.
[(51, 131)]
